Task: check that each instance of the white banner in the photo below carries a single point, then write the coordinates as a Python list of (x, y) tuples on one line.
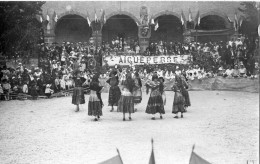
[(140, 60)]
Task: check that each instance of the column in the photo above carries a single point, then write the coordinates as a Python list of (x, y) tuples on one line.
[(144, 34)]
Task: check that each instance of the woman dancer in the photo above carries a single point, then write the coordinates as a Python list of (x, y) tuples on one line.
[(126, 102), (185, 93), (161, 79), (137, 93), (114, 91), (155, 102), (179, 100), (95, 103), (78, 92)]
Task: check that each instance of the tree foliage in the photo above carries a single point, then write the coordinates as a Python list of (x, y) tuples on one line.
[(19, 28), (251, 15)]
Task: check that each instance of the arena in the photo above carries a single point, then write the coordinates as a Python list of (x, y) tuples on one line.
[(224, 129)]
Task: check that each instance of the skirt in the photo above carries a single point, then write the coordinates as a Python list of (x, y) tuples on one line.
[(114, 96), (94, 108), (78, 96), (137, 94), (185, 93), (178, 103), (155, 105), (126, 104)]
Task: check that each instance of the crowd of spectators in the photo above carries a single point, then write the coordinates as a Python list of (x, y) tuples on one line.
[(233, 59)]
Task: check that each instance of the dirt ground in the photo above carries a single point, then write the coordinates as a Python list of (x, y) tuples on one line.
[(223, 125)]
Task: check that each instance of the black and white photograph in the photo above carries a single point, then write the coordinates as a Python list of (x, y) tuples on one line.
[(129, 82)]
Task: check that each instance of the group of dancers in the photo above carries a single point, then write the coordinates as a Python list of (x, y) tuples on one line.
[(126, 94)]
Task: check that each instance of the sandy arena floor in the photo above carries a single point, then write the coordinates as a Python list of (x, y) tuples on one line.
[(223, 125)]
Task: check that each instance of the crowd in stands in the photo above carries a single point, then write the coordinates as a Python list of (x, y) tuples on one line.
[(57, 63)]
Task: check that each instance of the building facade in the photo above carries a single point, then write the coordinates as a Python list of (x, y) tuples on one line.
[(145, 21)]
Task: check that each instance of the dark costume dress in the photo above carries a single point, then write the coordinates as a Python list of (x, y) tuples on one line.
[(137, 93), (179, 100), (155, 102), (185, 93), (95, 103), (114, 91), (78, 92)]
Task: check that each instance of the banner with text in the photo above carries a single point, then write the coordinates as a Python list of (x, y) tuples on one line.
[(141, 60)]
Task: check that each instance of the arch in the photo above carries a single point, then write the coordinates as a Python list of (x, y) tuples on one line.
[(217, 13), (71, 12), (166, 12), (73, 28), (123, 13)]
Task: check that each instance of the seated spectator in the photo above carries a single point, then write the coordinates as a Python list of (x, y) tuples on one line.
[(242, 71), (6, 89), (236, 72), (229, 72)]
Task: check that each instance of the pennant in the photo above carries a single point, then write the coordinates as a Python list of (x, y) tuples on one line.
[(89, 22), (103, 17), (152, 21), (183, 20), (190, 16), (96, 19), (235, 22), (156, 25), (229, 19), (241, 21), (47, 17), (196, 159), (56, 17), (152, 159), (114, 160), (258, 30), (41, 20), (197, 20)]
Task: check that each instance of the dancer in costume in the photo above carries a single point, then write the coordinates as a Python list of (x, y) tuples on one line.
[(185, 93), (155, 102), (114, 91), (78, 92), (126, 101), (179, 100), (161, 79), (137, 93), (95, 103)]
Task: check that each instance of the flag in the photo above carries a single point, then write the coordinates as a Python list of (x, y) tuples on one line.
[(114, 160), (103, 17), (190, 16), (47, 17), (152, 21), (197, 19), (55, 17), (196, 159), (235, 22), (137, 23), (258, 30), (152, 159), (229, 19), (156, 25), (41, 19), (183, 19), (89, 22), (96, 19), (241, 21)]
